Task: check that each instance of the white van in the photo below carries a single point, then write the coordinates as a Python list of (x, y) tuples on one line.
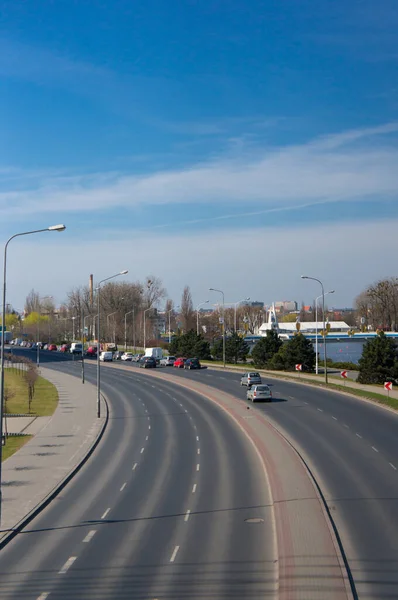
[(76, 348), (106, 356), (156, 353)]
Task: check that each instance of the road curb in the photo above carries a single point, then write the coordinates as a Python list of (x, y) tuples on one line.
[(10, 534)]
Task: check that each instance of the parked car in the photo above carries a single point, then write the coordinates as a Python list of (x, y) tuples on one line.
[(64, 348), (137, 357), (76, 348), (92, 351), (127, 356), (106, 356), (147, 362), (259, 392), (250, 379), (179, 363), (52, 347), (167, 361), (117, 355), (192, 363)]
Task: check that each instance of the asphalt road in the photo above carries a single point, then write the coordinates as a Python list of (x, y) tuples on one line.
[(350, 445), (159, 510)]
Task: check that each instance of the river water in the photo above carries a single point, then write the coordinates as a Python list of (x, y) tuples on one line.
[(347, 351)]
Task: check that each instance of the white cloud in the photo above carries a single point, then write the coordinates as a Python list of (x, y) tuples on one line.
[(264, 264), (325, 169)]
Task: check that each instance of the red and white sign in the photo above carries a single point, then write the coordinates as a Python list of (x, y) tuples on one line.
[(299, 367), (344, 374), (388, 386)]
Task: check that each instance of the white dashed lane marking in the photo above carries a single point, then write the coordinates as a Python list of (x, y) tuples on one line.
[(43, 596), (134, 466), (197, 438), (105, 513), (147, 438), (89, 536), (375, 449), (142, 450), (194, 488), (335, 418), (320, 409), (67, 565), (187, 515), (198, 467), (123, 486), (392, 466), (198, 450), (358, 435), (173, 556)]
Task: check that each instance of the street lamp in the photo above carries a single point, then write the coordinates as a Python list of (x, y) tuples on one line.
[(169, 313), (107, 325), (324, 324), (197, 315), (316, 329), (235, 307), (52, 228), (98, 290), (145, 311), (223, 321), (125, 327), (38, 330)]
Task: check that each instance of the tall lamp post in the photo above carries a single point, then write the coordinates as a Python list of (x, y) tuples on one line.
[(107, 322), (316, 329), (223, 321), (235, 308), (169, 314), (324, 324), (38, 330), (3, 322), (145, 311), (125, 328), (197, 315), (98, 290)]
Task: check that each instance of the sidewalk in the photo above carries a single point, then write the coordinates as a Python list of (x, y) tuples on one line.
[(60, 444), (305, 377)]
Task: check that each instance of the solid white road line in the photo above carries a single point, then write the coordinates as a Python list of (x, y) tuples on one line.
[(67, 565), (43, 596), (134, 466), (123, 486), (187, 515), (194, 488), (89, 536), (105, 513), (198, 450), (173, 556), (392, 466), (357, 434), (198, 467), (142, 450), (375, 449)]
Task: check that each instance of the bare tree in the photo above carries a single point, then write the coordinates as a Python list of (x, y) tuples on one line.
[(31, 376), (153, 291), (253, 317), (187, 312), (32, 302), (377, 305)]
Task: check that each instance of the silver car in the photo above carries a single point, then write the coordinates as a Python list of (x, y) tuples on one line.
[(250, 379), (167, 361), (259, 392)]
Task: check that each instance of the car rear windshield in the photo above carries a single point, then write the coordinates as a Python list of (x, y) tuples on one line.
[(254, 374), (262, 388)]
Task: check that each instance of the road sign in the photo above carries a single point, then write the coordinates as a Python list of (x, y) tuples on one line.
[(388, 386), (299, 367), (344, 374), (221, 320)]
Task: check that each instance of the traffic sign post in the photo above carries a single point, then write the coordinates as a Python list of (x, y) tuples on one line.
[(298, 368), (388, 387), (344, 375)]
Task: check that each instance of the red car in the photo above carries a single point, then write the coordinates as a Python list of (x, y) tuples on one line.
[(92, 351), (64, 348), (52, 347), (179, 363)]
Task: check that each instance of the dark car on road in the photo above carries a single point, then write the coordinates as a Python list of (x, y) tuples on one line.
[(147, 362), (117, 355), (192, 363)]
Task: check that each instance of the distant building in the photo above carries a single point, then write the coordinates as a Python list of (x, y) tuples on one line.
[(285, 306), (254, 303)]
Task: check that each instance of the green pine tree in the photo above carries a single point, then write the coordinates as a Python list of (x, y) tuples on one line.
[(379, 360), (266, 348), (190, 345), (298, 350)]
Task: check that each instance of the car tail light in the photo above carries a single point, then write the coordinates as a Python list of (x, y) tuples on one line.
[(254, 393)]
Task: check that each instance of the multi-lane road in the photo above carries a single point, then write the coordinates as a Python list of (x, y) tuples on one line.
[(163, 508)]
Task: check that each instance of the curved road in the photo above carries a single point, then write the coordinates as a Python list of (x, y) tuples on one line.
[(159, 511), (350, 445)]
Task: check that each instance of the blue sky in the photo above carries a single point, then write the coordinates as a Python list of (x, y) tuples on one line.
[(229, 133)]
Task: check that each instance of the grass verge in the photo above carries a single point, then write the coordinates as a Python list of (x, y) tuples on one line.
[(13, 444), (44, 402)]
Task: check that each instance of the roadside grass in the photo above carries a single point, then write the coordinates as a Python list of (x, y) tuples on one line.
[(44, 401), (13, 444)]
